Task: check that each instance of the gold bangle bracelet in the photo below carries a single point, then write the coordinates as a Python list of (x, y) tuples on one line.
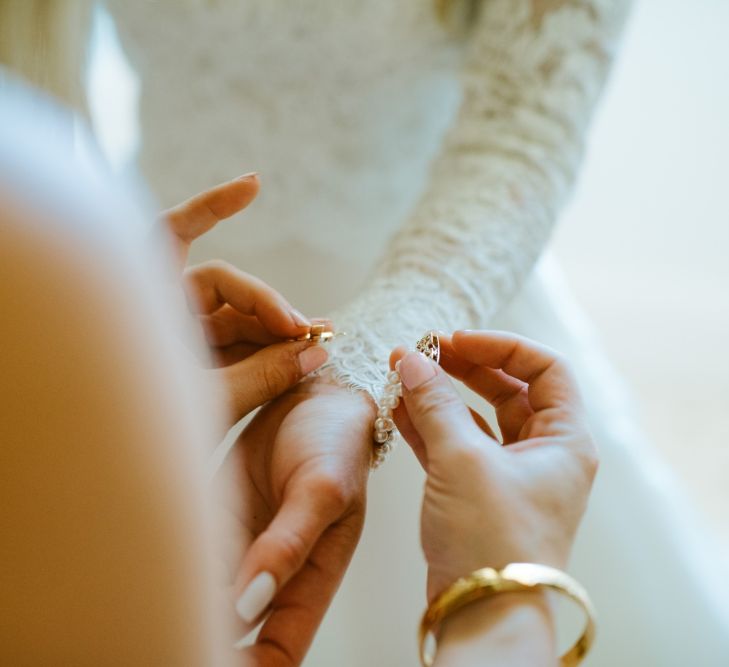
[(515, 577)]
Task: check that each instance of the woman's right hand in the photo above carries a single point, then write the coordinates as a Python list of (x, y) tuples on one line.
[(247, 324), (488, 504)]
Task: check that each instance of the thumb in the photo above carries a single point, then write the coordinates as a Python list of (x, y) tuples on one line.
[(435, 409), (269, 373), (281, 550)]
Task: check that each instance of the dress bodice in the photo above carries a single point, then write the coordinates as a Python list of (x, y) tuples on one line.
[(340, 106)]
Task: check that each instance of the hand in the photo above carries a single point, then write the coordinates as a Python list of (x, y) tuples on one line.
[(300, 468), (303, 464), (245, 321), (486, 504)]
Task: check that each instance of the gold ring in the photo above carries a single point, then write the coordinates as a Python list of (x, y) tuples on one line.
[(318, 333)]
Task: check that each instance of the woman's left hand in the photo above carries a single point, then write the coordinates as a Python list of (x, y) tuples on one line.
[(247, 324), (304, 463), (299, 471)]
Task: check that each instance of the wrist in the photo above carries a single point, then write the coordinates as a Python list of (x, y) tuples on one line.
[(508, 629), (327, 384), (356, 407)]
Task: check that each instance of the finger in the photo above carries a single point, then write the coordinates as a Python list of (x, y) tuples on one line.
[(281, 550), (483, 424), (297, 611), (232, 354), (227, 326), (192, 218), (268, 374), (235, 352), (216, 283), (551, 384), (405, 426), (436, 411), (509, 396), (456, 367), (402, 419)]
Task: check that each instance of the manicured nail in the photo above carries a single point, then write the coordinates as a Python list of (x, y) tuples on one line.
[(256, 597), (299, 319), (415, 369), (247, 177), (311, 358)]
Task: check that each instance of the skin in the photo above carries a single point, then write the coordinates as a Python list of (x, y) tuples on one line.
[(246, 323), (137, 423), (489, 502), (306, 467), (98, 458), (297, 477), (302, 462)]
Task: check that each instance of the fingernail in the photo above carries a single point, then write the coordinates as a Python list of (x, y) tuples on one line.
[(299, 319), (256, 597), (247, 177), (415, 369), (311, 358)]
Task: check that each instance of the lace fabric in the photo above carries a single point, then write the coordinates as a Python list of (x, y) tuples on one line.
[(532, 77)]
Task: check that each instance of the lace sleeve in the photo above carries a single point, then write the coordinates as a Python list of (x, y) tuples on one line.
[(532, 76)]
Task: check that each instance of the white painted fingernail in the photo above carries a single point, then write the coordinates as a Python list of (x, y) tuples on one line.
[(256, 597)]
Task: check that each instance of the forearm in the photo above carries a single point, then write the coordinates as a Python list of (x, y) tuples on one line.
[(531, 81), (506, 631)]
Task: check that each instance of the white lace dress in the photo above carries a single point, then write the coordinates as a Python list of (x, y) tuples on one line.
[(411, 176)]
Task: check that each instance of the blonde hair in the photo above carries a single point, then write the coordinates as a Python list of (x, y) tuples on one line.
[(45, 42)]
